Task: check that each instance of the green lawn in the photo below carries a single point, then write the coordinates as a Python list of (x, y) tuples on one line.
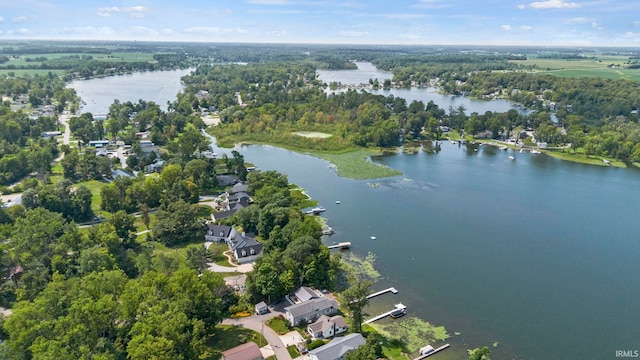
[(280, 326), (95, 186), (227, 337)]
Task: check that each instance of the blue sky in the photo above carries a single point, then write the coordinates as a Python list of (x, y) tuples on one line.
[(441, 22)]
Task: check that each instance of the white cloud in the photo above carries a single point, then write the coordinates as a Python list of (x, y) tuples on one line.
[(596, 26), (403, 16), (637, 23), (276, 33), (213, 30), (88, 30), (19, 19), (631, 35), (21, 31), (141, 30), (553, 4), (578, 20), (353, 33), (167, 31), (526, 27), (522, 6), (267, 2), (1, 19), (506, 27), (134, 11), (431, 4)]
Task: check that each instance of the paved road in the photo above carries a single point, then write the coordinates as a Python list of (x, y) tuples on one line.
[(256, 323)]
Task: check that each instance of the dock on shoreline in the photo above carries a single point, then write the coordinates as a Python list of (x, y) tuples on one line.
[(391, 290), (398, 306)]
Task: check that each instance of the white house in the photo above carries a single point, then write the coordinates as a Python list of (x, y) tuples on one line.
[(310, 310), (326, 327)]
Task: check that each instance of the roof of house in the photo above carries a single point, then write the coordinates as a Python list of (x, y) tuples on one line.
[(227, 180), (337, 347), (248, 351), (261, 305), (311, 306), (305, 293), (246, 242), (321, 325), (239, 187), (324, 323), (219, 230), (120, 172), (238, 195)]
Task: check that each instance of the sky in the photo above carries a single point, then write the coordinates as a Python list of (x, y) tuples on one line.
[(407, 22)]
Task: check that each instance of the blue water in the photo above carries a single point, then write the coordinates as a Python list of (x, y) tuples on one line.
[(537, 254)]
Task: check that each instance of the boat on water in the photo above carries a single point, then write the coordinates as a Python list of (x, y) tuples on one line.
[(511, 157), (372, 238), (534, 151), (316, 210), (399, 312), (337, 201), (328, 231), (503, 147)]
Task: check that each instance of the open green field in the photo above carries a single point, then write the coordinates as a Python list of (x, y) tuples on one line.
[(95, 186), (584, 68)]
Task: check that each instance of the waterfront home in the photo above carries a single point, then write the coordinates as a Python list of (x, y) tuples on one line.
[(227, 180), (302, 294), (326, 327), (310, 310), (248, 351), (227, 213), (245, 248), (337, 348), (219, 233)]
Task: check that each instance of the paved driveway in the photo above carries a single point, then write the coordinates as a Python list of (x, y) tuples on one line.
[(256, 323)]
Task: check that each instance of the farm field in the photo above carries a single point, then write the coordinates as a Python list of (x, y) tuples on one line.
[(587, 67)]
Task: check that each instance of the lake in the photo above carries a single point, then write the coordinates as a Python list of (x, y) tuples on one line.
[(367, 70), (157, 86), (535, 253)]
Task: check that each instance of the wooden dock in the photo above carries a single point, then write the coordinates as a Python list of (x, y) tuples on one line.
[(433, 352), (382, 316), (391, 290), (342, 245)]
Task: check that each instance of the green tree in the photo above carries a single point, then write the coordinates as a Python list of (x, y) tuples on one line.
[(355, 299), (178, 224)]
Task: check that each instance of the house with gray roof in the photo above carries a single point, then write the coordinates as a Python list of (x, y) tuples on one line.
[(303, 293), (310, 310), (219, 233), (226, 213), (326, 327), (337, 348), (245, 248)]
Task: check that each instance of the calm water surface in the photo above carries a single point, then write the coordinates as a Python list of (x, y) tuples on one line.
[(368, 71), (537, 254), (540, 255), (156, 86)]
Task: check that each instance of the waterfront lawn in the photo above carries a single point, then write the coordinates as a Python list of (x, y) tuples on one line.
[(412, 332), (580, 157), (229, 336)]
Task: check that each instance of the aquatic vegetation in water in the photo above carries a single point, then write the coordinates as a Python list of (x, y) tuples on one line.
[(413, 331)]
